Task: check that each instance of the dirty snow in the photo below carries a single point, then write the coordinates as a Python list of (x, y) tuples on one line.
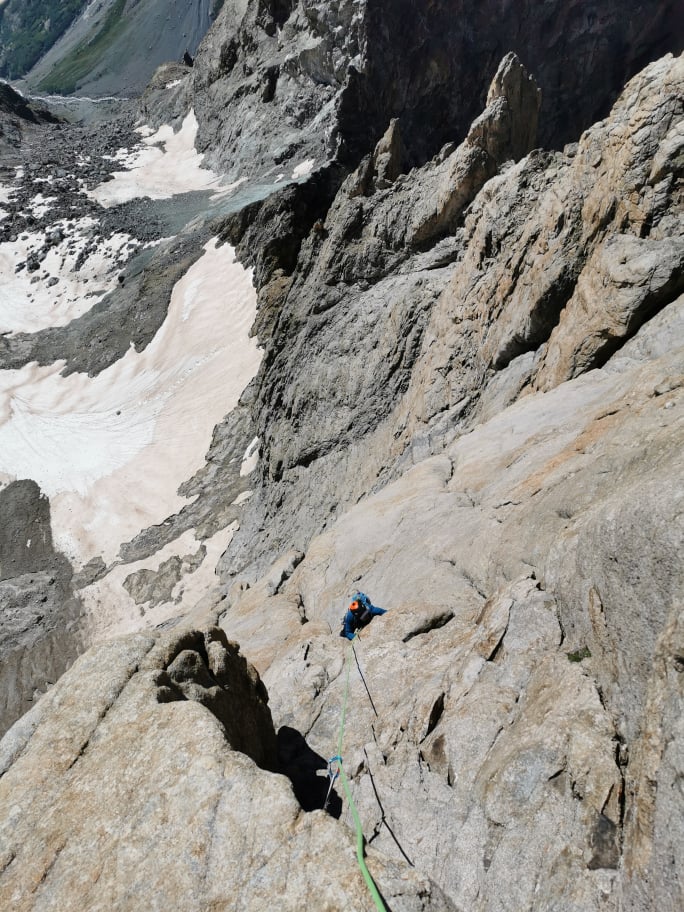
[(111, 451), (28, 303), (158, 173), (228, 189), (111, 610)]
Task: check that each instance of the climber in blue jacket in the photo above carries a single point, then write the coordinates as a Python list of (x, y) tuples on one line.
[(359, 614)]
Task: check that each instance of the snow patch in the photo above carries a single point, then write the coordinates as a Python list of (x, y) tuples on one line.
[(56, 292), (304, 169), (111, 451), (158, 173), (228, 189), (40, 205), (172, 85), (111, 610), (250, 459)]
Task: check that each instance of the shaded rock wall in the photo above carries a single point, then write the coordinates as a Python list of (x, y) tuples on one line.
[(426, 62), (278, 83), (40, 635)]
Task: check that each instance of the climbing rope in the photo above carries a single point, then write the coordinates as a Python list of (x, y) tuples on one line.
[(339, 771)]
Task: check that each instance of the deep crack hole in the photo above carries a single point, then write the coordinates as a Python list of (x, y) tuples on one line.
[(300, 764)]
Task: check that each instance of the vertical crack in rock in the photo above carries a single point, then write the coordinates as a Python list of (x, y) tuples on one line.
[(301, 765), (435, 715), (113, 697)]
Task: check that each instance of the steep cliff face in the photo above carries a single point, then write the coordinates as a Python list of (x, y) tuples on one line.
[(284, 82), (564, 506), (448, 312), (467, 402)]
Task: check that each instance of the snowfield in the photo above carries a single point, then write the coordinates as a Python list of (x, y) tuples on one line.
[(159, 173), (111, 451), (57, 292)]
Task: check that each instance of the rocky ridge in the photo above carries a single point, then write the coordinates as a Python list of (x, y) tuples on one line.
[(478, 298), (277, 81)]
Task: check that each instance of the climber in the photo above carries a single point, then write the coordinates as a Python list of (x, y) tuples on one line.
[(360, 613)]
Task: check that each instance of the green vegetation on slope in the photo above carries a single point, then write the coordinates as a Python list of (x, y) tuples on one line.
[(28, 28), (64, 77)]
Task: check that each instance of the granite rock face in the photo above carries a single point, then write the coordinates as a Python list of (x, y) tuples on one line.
[(414, 312), (511, 723), (150, 757), (469, 406)]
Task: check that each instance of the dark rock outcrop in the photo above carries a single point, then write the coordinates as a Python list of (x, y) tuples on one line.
[(40, 635), (16, 113)]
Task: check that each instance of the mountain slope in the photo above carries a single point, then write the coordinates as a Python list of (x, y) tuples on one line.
[(115, 45), (28, 29), (454, 382), (317, 80)]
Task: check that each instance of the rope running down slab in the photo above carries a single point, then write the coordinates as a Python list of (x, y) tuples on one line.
[(370, 883)]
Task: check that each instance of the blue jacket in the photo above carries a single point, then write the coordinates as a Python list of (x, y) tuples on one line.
[(351, 624)]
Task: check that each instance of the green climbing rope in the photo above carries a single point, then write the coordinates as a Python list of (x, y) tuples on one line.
[(370, 883)]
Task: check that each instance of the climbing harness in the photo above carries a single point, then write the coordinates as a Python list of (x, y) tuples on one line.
[(335, 769)]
